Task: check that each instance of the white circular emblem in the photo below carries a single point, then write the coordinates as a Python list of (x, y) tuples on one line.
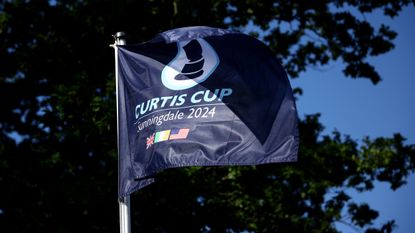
[(190, 67)]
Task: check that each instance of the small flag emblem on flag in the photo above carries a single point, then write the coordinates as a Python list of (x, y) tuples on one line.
[(150, 141), (178, 134), (162, 136)]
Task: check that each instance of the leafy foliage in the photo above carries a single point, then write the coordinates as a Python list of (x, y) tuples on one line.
[(57, 95)]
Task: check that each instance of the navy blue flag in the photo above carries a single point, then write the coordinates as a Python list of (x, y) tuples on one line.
[(201, 96)]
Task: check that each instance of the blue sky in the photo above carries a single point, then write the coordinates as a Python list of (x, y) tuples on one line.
[(359, 108)]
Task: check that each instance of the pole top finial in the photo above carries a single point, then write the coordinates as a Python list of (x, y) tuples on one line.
[(120, 38)]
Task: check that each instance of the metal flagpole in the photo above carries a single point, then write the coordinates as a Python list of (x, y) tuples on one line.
[(125, 220), (124, 203)]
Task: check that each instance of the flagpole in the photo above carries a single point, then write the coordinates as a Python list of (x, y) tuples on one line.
[(125, 219), (124, 203)]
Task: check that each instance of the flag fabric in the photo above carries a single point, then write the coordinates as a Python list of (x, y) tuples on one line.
[(201, 96)]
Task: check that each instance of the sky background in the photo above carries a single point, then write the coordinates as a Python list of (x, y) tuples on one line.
[(358, 108)]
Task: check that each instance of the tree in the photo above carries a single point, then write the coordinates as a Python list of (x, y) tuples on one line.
[(57, 94)]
